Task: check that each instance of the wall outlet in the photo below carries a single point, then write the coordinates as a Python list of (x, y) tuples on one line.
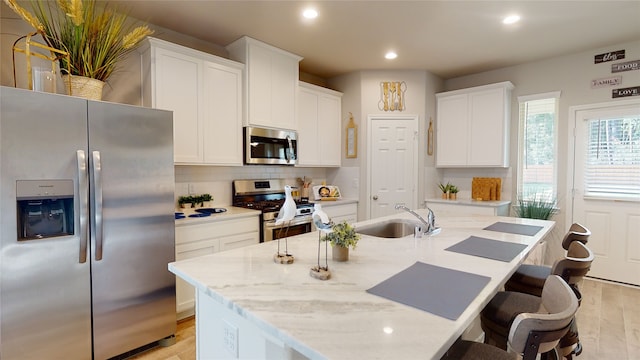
[(191, 189), (230, 338)]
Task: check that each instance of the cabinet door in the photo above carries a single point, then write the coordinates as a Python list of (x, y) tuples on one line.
[(487, 125), (222, 115), (308, 146), (259, 92), (329, 134), (185, 293), (238, 241), (344, 212), (452, 137), (273, 86), (177, 88), (284, 89)]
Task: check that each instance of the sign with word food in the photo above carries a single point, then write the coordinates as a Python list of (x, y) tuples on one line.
[(625, 66)]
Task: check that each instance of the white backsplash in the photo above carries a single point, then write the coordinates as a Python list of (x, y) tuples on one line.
[(462, 179), (216, 180)]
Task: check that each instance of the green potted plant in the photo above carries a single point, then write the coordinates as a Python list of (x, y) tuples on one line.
[(537, 206), (186, 201), (205, 200), (445, 190), (341, 238), (453, 192), (96, 38)]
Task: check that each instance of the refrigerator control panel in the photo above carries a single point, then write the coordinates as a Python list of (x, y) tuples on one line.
[(45, 208)]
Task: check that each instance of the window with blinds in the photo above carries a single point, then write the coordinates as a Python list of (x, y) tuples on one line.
[(612, 166), (537, 151)]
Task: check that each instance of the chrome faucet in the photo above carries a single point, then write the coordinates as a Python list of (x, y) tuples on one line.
[(429, 226)]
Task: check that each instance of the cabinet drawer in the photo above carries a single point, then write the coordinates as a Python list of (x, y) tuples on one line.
[(197, 232)]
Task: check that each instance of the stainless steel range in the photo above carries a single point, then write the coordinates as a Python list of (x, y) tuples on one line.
[(268, 196)]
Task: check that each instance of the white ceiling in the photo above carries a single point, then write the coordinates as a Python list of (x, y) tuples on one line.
[(446, 38)]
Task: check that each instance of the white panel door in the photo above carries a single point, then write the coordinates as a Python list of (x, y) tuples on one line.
[(393, 163), (607, 187)]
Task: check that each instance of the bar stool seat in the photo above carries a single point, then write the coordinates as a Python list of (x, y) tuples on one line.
[(530, 278), (497, 317), (499, 314), (529, 333)]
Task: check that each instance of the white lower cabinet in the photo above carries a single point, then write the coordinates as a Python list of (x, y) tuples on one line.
[(342, 212), (194, 240), (469, 207)]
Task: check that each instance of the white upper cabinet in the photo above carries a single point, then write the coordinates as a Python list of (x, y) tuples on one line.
[(205, 94), (473, 126), (319, 124), (271, 83)]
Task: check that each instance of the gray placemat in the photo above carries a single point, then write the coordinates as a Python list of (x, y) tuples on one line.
[(519, 229), (488, 248), (440, 291)]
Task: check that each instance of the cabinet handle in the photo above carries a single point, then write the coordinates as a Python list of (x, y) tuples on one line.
[(375, 197)]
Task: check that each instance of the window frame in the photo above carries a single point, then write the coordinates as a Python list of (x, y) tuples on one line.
[(522, 101)]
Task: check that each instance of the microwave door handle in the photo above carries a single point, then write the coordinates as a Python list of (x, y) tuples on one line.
[(83, 203), (289, 152)]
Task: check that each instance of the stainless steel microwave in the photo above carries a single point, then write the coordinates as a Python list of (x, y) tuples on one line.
[(270, 146)]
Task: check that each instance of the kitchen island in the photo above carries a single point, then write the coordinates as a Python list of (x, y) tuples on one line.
[(248, 307)]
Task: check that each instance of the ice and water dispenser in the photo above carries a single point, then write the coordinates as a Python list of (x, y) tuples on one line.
[(45, 208)]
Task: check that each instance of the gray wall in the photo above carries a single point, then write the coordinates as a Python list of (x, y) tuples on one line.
[(572, 75)]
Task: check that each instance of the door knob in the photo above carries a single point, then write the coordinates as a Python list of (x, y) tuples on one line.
[(375, 197)]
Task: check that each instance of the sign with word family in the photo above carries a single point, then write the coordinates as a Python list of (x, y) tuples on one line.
[(610, 81), (610, 56), (625, 66), (630, 91)]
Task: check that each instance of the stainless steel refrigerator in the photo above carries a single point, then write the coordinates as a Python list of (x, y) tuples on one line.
[(87, 227)]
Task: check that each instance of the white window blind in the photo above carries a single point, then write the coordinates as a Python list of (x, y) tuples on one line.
[(537, 155), (612, 166)]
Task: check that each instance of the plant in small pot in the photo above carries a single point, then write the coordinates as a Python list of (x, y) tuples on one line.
[(95, 37), (537, 206), (205, 200), (446, 189), (453, 192), (186, 202), (341, 238)]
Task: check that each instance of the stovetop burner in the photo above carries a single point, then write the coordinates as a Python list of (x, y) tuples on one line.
[(263, 195)]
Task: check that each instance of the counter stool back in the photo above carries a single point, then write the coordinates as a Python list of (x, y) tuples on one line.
[(531, 333)]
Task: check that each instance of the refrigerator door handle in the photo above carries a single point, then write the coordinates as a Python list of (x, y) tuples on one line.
[(83, 200), (97, 181)]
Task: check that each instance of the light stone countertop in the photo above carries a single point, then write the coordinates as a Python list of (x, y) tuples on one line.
[(488, 203), (232, 212), (337, 318)]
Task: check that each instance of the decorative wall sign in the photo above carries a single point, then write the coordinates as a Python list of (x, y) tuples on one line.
[(610, 81), (610, 56), (630, 91), (392, 96), (625, 66), (352, 138)]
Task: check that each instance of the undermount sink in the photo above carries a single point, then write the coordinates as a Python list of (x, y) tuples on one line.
[(391, 229)]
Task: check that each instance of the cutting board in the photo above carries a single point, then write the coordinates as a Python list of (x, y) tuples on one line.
[(486, 189)]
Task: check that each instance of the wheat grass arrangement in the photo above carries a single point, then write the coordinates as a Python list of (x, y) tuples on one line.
[(96, 37)]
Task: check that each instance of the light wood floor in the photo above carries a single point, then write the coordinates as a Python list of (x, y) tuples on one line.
[(608, 320)]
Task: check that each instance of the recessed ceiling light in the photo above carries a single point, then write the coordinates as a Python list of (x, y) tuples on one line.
[(511, 19), (310, 13), (390, 55)]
